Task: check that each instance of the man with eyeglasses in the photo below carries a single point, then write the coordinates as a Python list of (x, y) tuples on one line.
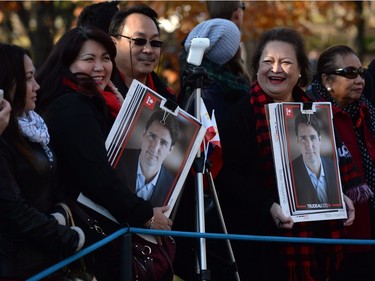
[(136, 33)]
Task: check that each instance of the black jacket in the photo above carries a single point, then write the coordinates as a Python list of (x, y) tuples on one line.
[(30, 239), (79, 126)]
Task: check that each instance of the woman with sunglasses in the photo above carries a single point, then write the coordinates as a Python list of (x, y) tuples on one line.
[(340, 80)]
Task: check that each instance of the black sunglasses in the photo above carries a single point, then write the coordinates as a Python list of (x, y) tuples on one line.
[(349, 72), (143, 41)]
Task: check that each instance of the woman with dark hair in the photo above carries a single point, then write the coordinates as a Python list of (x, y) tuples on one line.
[(31, 237), (248, 188), (227, 80), (369, 89), (79, 106), (340, 79)]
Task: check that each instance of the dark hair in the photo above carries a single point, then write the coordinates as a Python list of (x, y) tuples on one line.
[(327, 61), (287, 35), (307, 119), (98, 15), (13, 82), (119, 20), (222, 9), (171, 123), (371, 68), (13, 76), (57, 65), (237, 66)]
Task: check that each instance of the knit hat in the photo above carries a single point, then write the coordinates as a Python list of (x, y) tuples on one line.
[(224, 38)]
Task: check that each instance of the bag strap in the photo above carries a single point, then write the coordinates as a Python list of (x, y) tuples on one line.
[(166, 254), (70, 220)]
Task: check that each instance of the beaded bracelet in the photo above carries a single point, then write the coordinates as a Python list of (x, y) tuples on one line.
[(152, 221)]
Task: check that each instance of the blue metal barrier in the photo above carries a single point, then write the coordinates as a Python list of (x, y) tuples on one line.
[(126, 253)]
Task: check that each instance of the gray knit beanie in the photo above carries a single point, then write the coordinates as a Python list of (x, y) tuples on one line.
[(224, 38)]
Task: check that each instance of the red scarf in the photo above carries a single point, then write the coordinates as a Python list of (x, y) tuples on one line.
[(305, 262), (110, 99), (149, 81)]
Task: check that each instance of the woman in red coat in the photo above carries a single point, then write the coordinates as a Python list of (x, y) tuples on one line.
[(340, 80)]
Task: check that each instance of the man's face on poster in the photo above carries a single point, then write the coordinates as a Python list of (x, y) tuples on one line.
[(309, 143), (156, 145)]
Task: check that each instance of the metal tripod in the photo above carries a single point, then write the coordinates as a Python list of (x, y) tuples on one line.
[(199, 75)]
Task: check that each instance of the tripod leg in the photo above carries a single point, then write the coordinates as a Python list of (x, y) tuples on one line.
[(201, 225), (199, 168), (222, 222)]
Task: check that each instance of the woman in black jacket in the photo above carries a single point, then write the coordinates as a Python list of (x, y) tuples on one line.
[(31, 238), (79, 108)]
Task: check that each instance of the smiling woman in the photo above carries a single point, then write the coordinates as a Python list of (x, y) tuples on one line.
[(278, 71), (79, 105), (95, 61), (247, 181)]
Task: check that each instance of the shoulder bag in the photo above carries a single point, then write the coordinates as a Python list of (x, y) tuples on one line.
[(151, 262)]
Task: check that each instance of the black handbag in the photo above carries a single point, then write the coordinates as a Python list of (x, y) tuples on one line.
[(153, 262), (99, 227)]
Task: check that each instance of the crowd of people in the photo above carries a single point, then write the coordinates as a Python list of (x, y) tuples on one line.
[(54, 122)]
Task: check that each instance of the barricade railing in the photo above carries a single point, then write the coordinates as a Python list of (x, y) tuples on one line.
[(126, 249)]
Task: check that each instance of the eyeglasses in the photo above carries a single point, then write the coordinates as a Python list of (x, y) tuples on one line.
[(349, 72), (241, 6), (143, 41)]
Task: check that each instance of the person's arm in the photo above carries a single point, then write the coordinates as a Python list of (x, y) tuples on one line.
[(279, 218), (4, 115), (116, 92), (159, 220), (350, 210), (78, 137), (23, 220)]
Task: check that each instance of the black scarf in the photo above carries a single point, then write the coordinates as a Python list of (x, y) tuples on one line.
[(362, 113)]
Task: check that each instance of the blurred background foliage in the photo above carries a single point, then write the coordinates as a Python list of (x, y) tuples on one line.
[(36, 25)]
